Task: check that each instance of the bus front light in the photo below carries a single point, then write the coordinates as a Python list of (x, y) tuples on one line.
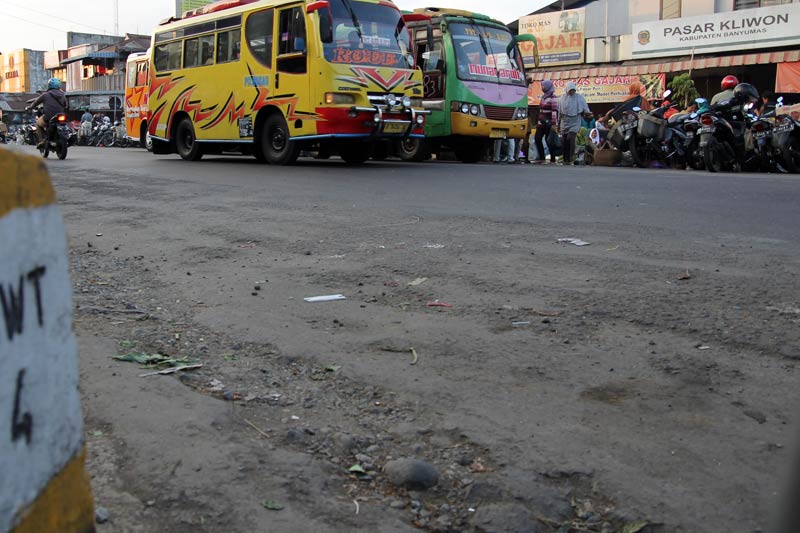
[(465, 109), (339, 98), (406, 101), (391, 100), (474, 110)]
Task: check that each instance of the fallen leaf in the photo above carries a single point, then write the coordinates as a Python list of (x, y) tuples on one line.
[(272, 505), (634, 527), (357, 469)]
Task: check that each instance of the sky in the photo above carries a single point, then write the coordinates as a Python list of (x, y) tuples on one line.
[(43, 24)]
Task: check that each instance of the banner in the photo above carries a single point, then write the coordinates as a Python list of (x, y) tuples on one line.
[(560, 37), (182, 6), (604, 89), (788, 78), (746, 29)]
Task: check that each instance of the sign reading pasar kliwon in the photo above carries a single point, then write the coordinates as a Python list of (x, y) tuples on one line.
[(747, 29)]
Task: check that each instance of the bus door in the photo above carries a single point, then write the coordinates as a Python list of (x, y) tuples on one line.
[(291, 63), (430, 57)]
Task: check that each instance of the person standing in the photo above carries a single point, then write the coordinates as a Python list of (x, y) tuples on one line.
[(571, 108), (548, 116)]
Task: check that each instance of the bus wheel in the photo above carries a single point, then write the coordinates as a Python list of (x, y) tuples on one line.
[(414, 150), (185, 141), (354, 154), (469, 152), (276, 143), (145, 140)]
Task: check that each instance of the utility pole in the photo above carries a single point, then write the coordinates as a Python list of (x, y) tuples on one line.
[(116, 17)]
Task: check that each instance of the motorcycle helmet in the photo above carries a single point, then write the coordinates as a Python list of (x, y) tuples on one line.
[(729, 82), (745, 93), (53, 83)]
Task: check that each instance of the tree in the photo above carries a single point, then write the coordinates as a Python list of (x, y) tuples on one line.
[(683, 89)]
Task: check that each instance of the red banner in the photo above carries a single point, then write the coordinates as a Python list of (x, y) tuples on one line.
[(788, 78)]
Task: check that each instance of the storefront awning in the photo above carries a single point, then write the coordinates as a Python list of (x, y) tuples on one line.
[(91, 56), (669, 66)]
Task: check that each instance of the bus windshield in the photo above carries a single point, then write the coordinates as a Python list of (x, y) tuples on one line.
[(483, 54), (368, 34)]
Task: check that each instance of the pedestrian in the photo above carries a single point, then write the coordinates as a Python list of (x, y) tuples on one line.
[(767, 102), (548, 116), (503, 151), (570, 108), (526, 143)]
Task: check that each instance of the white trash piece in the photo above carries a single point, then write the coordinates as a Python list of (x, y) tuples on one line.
[(326, 298), (576, 242)]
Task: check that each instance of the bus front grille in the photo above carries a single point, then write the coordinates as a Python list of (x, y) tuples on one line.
[(499, 113)]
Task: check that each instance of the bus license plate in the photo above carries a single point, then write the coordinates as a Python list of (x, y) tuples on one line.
[(394, 128), (498, 134)]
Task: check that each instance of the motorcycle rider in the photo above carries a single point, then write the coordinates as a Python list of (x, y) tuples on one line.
[(729, 83), (54, 103)]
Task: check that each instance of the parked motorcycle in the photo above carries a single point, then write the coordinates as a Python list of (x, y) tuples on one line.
[(786, 139), (725, 136), (659, 139)]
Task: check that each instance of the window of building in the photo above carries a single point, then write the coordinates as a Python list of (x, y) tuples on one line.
[(670, 9), (750, 4), (228, 46), (258, 32)]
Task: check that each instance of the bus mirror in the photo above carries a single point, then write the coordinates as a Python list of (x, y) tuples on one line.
[(316, 6), (299, 44), (528, 38)]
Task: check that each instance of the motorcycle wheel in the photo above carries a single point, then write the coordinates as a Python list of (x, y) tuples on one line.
[(712, 155), (791, 154), (696, 160), (45, 149), (639, 153), (62, 149)]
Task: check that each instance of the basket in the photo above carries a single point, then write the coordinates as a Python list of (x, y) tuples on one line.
[(606, 156), (615, 135), (652, 127)]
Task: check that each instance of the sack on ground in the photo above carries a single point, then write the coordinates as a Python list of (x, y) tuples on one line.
[(554, 143)]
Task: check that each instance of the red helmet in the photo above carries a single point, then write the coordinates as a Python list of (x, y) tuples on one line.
[(729, 82)]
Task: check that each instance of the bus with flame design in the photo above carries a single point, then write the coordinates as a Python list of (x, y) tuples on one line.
[(474, 83), (274, 77)]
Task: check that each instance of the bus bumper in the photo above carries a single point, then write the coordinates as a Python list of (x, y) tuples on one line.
[(461, 124)]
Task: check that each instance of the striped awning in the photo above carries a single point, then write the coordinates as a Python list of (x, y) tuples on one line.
[(698, 63)]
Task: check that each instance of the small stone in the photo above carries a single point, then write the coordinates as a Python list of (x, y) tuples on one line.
[(296, 435), (411, 473), (361, 458), (757, 416), (101, 515), (257, 287), (373, 449), (397, 504)]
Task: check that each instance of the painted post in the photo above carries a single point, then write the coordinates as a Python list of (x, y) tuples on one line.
[(43, 482)]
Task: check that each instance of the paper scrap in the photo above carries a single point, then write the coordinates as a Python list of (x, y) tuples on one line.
[(325, 298), (576, 242)]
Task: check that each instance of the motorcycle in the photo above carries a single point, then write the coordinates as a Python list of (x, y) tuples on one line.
[(723, 138), (56, 137), (786, 139), (659, 139)]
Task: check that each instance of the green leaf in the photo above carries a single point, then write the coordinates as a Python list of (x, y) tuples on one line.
[(357, 469), (272, 505), (635, 527)]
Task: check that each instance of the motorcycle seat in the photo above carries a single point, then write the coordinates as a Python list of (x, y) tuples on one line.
[(677, 118)]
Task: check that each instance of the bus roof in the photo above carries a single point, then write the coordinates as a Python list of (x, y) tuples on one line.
[(433, 12)]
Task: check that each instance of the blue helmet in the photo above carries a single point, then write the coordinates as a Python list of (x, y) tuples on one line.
[(53, 83)]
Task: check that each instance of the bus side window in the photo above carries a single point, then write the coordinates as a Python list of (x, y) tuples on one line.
[(191, 55), (168, 56), (292, 45), (228, 44), (207, 50), (258, 33), (141, 73)]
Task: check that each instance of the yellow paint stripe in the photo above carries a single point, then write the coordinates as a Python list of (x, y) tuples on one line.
[(24, 182), (65, 505)]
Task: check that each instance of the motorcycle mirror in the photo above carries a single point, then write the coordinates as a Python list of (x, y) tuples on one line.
[(637, 109), (693, 115), (667, 93)]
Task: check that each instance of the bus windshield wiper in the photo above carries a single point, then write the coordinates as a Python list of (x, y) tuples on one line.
[(485, 48), (349, 7)]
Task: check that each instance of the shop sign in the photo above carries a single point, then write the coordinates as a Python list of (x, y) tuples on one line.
[(746, 29), (182, 6), (560, 37), (604, 89)]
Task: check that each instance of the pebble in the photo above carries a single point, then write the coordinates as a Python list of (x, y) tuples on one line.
[(397, 504), (101, 515), (373, 449), (361, 458), (411, 473)]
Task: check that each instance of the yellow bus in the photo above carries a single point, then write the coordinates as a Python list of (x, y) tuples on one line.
[(274, 77), (137, 91)]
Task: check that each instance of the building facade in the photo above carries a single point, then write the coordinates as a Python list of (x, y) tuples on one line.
[(22, 71), (756, 40)]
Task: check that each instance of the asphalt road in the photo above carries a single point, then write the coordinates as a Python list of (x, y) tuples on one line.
[(657, 363)]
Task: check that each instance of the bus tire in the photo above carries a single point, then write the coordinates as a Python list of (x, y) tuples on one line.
[(276, 144), (144, 138), (354, 154), (185, 141), (414, 150)]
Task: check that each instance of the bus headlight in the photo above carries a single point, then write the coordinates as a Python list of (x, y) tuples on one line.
[(406, 101), (339, 98), (474, 110), (465, 109), (391, 100)]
